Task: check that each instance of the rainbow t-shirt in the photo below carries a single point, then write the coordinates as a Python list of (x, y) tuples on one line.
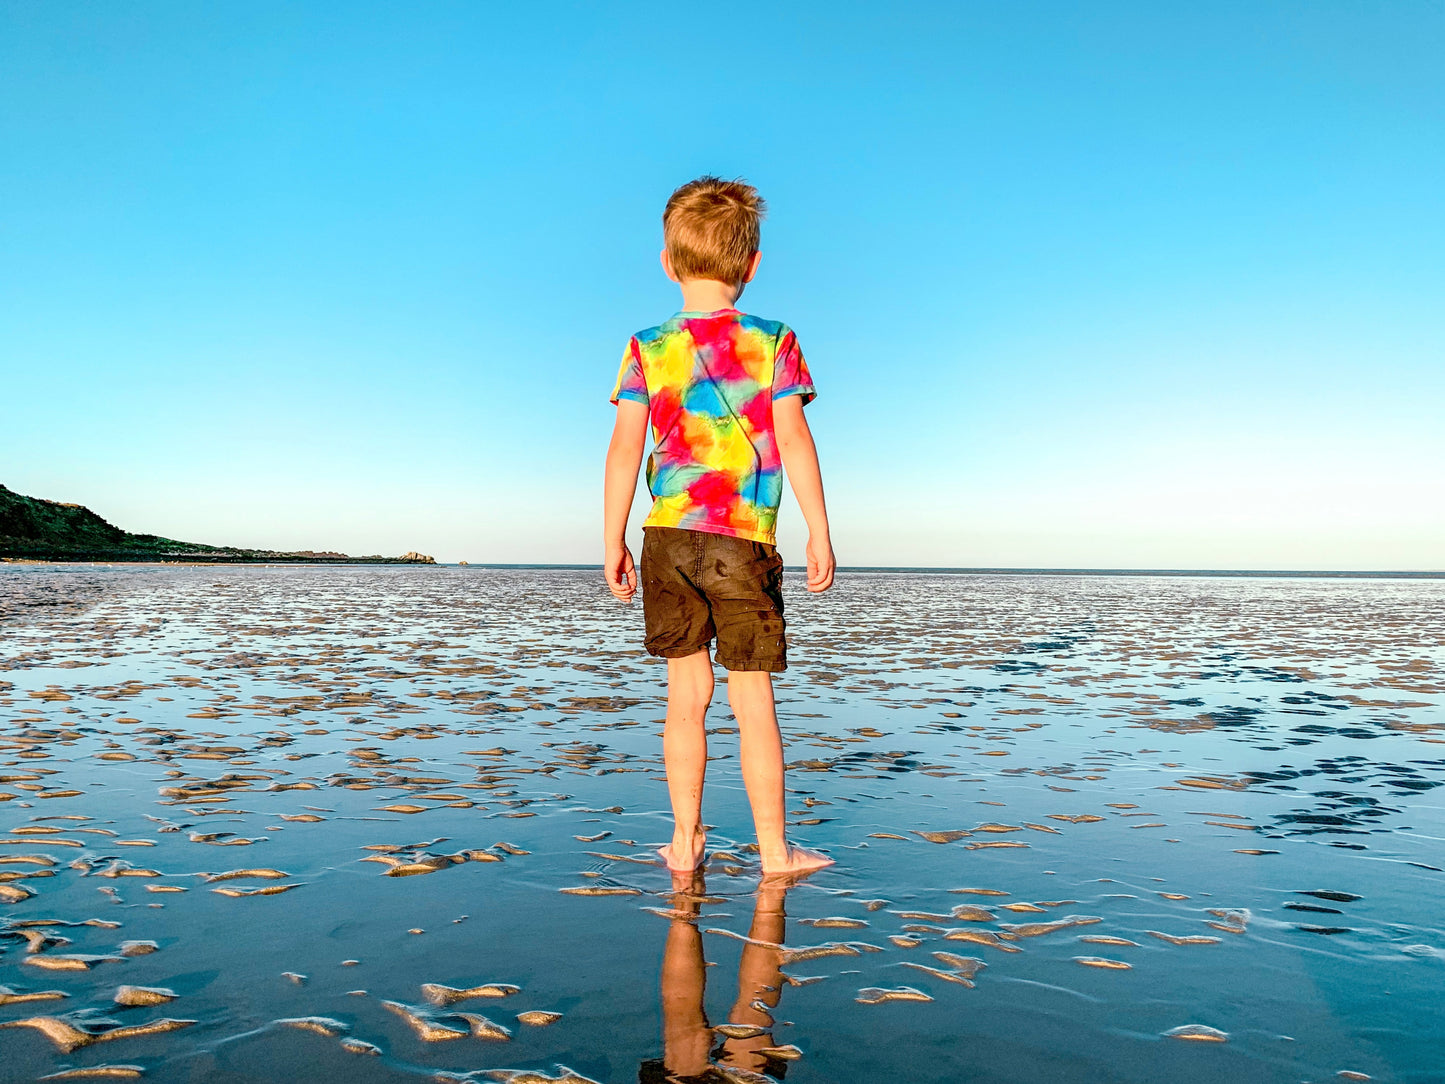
[(709, 380)]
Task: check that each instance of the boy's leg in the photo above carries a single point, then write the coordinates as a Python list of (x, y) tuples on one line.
[(686, 1038), (760, 982), (750, 692), (684, 751)]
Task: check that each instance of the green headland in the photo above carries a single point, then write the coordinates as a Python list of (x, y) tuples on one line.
[(32, 528)]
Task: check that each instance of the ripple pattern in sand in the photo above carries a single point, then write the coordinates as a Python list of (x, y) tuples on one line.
[(256, 819)]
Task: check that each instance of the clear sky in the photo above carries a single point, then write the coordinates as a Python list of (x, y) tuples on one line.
[(1117, 284)]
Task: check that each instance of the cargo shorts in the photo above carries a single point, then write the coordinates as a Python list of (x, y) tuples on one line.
[(697, 586)]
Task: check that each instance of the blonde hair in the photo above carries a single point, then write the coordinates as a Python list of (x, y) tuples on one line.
[(712, 228)]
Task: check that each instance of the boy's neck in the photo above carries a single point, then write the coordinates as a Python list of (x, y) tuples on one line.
[(708, 295)]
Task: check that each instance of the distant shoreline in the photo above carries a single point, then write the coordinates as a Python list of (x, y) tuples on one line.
[(916, 570), (203, 560), (34, 529), (929, 570)]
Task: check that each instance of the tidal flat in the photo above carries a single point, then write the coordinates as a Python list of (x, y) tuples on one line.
[(398, 824)]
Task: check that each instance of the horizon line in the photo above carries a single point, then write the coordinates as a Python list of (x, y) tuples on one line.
[(962, 570), (944, 570)]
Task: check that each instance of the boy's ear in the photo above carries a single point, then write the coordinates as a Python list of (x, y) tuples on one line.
[(752, 267), (667, 266)]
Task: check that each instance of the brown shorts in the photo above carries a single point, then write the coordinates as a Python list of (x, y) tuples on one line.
[(697, 586)]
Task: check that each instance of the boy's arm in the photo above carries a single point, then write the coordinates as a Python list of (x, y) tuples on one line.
[(624, 457), (800, 460)]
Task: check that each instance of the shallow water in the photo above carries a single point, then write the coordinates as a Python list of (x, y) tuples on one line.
[(1087, 829)]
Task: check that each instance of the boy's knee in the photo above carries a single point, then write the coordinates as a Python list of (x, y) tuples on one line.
[(749, 684), (701, 694), (693, 694)]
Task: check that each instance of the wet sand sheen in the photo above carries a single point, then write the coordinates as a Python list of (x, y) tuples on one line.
[(352, 734)]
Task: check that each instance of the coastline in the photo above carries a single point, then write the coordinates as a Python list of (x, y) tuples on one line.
[(908, 570), (206, 559), (928, 570)]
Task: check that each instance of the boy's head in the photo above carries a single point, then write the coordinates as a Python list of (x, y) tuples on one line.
[(711, 228)]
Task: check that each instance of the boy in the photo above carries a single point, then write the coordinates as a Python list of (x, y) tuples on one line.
[(725, 394)]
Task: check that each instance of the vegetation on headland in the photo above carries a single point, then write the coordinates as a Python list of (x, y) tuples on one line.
[(32, 528)]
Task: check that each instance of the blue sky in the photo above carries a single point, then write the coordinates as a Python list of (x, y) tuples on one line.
[(1118, 285)]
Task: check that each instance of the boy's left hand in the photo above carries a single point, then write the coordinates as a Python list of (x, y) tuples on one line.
[(621, 573), (821, 563)]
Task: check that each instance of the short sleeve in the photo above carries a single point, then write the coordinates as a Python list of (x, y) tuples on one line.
[(790, 371), (631, 384)]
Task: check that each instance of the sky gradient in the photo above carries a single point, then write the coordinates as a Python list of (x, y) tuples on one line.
[(1116, 285)]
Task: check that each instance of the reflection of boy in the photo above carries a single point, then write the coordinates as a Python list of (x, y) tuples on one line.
[(724, 393), (687, 1040)]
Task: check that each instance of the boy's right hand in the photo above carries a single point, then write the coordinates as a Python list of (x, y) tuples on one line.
[(821, 563), (621, 573)]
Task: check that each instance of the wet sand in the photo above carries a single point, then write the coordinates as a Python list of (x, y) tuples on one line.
[(398, 824)]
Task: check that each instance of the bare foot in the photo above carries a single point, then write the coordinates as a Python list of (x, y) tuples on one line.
[(685, 853), (794, 861), (688, 888)]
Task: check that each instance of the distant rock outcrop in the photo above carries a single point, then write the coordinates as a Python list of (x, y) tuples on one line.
[(36, 529), (414, 558)]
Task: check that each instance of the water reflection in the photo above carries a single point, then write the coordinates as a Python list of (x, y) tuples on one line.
[(693, 1051), (1226, 777)]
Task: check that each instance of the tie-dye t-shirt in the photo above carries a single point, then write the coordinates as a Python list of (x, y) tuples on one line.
[(709, 381)]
